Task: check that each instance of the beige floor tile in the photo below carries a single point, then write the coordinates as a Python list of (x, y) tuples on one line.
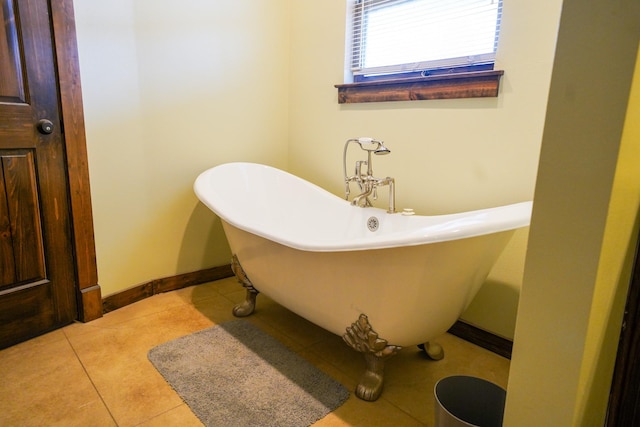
[(115, 358), (192, 294), (141, 309), (147, 306), (343, 378), (338, 354), (409, 380), (216, 308), (180, 416), (355, 412), (35, 344), (226, 286), (44, 384)]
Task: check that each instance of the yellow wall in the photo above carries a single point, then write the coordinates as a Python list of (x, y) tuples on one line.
[(447, 155), (614, 270), (172, 88), (578, 241)]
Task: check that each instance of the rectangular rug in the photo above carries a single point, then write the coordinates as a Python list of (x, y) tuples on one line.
[(234, 374)]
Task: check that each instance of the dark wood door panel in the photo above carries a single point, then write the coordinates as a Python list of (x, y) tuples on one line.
[(11, 79), (7, 258), (28, 312), (624, 399), (24, 215)]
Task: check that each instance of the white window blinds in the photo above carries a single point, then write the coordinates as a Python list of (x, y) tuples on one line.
[(397, 36)]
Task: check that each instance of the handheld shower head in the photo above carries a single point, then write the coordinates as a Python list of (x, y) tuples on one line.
[(381, 150)]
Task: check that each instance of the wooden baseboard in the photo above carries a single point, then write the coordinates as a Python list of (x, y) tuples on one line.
[(145, 290), (482, 338), (460, 329)]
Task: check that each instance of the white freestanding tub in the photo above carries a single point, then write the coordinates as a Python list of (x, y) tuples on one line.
[(380, 280)]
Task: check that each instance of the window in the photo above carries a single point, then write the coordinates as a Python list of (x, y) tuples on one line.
[(391, 40), (419, 36)]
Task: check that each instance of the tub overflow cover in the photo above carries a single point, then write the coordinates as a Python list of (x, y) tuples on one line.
[(373, 223)]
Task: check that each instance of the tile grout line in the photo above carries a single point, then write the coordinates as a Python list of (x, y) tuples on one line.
[(90, 379), (168, 410)]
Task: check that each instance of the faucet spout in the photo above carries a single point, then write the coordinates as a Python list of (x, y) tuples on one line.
[(363, 198)]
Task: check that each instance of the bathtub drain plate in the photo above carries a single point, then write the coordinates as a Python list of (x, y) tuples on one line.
[(373, 223)]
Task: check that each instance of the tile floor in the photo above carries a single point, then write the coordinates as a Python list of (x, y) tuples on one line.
[(97, 374)]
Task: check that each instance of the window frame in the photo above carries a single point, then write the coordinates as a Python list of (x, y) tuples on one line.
[(478, 80)]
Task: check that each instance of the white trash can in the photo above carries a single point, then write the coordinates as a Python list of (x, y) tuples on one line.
[(463, 401)]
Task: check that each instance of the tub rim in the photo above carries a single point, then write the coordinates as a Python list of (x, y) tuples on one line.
[(422, 229)]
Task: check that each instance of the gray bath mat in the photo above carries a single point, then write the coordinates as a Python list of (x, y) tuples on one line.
[(235, 374)]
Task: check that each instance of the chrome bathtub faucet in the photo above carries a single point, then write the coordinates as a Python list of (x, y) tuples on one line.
[(367, 183)]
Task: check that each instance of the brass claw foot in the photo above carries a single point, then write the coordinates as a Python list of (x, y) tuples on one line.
[(433, 350), (361, 337), (248, 306), (371, 382)]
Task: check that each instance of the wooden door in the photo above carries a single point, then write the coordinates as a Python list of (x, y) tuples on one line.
[(624, 400), (37, 272)]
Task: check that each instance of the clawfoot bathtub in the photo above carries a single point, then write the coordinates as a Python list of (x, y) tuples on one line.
[(381, 281)]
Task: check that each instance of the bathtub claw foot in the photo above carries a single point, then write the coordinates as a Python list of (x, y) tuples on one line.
[(361, 337), (370, 386), (433, 350), (248, 306)]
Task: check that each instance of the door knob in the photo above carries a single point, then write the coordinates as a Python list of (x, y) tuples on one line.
[(45, 126)]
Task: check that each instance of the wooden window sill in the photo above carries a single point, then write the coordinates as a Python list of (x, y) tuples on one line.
[(475, 84)]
